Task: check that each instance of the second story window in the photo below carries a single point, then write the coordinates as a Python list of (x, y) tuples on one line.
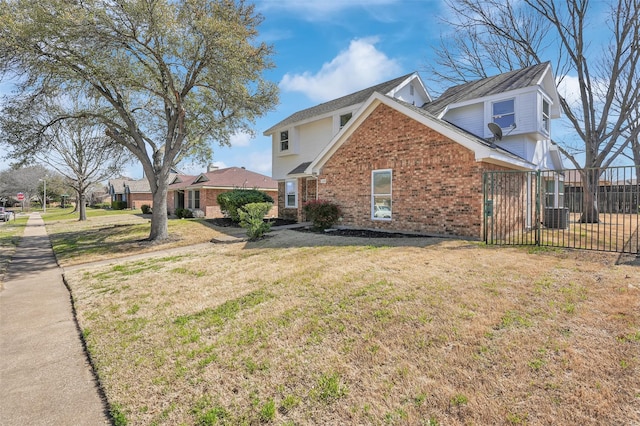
[(344, 119), (504, 113), (545, 116), (284, 140)]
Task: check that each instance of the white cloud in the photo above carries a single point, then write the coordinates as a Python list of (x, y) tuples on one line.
[(241, 139), (320, 9), (258, 161), (569, 88), (358, 67)]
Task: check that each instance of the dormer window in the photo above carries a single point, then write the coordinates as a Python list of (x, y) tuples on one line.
[(545, 116), (344, 119), (284, 140), (504, 113)]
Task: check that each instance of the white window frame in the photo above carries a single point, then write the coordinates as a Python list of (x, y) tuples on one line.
[(294, 183), (495, 117), (546, 116), (349, 116), (284, 140), (192, 199), (375, 195)]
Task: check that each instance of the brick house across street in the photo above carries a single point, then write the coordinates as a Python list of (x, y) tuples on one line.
[(201, 192), (197, 193), (394, 159)]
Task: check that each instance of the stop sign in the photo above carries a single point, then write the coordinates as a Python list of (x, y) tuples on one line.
[(20, 196)]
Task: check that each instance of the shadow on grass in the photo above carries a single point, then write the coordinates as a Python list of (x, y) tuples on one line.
[(119, 238)]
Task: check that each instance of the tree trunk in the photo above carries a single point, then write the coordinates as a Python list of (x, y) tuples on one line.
[(159, 219), (82, 206), (590, 181)]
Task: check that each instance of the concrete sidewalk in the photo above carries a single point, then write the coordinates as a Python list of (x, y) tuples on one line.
[(45, 377)]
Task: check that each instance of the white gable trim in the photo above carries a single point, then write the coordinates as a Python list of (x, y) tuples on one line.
[(482, 152)]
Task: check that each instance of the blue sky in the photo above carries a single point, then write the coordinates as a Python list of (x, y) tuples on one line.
[(329, 48)]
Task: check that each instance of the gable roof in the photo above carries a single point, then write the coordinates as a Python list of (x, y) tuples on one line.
[(336, 104), (483, 149), (229, 178), (501, 83)]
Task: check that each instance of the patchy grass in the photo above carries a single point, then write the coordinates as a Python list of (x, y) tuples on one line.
[(10, 235), (120, 234), (56, 214), (317, 329)]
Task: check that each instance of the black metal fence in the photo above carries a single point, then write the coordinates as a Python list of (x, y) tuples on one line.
[(593, 209)]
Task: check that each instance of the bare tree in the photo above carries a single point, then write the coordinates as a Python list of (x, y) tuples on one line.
[(76, 148), (170, 77), (504, 35)]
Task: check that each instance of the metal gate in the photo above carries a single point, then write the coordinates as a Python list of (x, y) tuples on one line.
[(592, 209)]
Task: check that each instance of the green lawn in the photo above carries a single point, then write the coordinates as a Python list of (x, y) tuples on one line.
[(301, 329)]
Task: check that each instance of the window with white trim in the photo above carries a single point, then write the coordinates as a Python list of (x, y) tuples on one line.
[(344, 119), (194, 199), (554, 192), (503, 113), (291, 193), (545, 116), (284, 140), (381, 206)]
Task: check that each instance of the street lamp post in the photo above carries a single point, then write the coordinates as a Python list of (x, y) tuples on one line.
[(44, 200)]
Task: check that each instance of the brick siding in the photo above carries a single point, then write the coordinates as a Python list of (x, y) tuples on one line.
[(437, 183)]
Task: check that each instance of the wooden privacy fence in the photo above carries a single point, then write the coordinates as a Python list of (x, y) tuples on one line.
[(594, 209)]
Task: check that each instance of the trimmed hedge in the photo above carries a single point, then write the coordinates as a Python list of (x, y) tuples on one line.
[(118, 205), (233, 200), (323, 214)]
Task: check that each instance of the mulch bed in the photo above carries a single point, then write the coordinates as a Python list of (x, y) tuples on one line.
[(362, 233)]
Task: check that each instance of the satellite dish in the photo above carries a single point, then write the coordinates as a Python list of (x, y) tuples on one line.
[(496, 130)]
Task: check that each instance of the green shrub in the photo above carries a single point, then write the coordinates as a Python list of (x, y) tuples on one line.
[(252, 218), (146, 208), (323, 214), (183, 213), (118, 205), (231, 201)]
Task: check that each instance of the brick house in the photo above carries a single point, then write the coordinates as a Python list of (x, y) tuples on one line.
[(200, 193), (135, 192), (395, 159)]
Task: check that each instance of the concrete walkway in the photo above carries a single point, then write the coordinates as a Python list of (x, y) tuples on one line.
[(45, 377)]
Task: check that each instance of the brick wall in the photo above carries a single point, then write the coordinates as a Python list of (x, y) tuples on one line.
[(136, 200), (437, 184)]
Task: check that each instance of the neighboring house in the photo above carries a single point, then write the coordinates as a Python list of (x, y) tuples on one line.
[(393, 158), (201, 192), (135, 192)]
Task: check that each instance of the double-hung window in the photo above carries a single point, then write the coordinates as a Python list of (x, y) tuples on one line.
[(504, 113), (291, 193), (194, 199), (381, 206), (545, 116), (284, 140)]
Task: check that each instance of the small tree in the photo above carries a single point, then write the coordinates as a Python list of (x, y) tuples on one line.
[(231, 201), (252, 218)]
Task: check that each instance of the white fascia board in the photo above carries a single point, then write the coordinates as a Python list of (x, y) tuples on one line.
[(507, 161), (412, 78), (331, 113), (482, 152)]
